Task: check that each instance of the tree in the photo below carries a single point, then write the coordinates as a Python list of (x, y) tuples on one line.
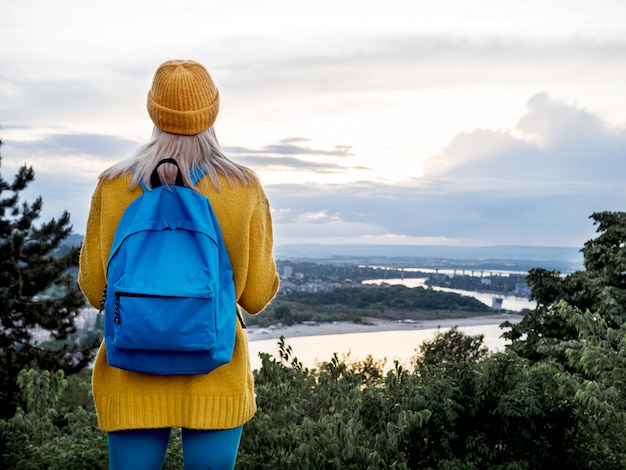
[(30, 264), (283, 314), (452, 346), (600, 288)]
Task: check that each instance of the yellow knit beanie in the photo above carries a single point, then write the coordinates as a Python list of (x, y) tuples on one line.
[(183, 98)]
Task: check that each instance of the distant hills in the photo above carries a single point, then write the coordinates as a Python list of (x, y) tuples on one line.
[(514, 258), (73, 239)]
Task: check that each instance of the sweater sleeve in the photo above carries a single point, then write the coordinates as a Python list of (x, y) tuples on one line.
[(91, 273), (262, 279)]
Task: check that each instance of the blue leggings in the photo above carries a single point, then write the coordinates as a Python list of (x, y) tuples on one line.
[(144, 449)]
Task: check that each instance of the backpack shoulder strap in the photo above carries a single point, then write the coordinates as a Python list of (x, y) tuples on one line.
[(155, 181)]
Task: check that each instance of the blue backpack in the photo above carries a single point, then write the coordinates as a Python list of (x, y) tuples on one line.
[(170, 297)]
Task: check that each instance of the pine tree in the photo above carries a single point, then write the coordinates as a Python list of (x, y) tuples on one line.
[(31, 263)]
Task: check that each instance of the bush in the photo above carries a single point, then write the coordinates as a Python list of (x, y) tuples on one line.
[(468, 410)]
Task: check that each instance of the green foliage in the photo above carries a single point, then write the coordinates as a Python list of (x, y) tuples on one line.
[(34, 438), (598, 358), (600, 288), (451, 346), (355, 303), (494, 411), (302, 412), (560, 403), (469, 411), (30, 265), (497, 413), (77, 393), (396, 297), (40, 437), (283, 314)]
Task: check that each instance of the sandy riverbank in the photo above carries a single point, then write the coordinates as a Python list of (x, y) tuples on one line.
[(337, 328)]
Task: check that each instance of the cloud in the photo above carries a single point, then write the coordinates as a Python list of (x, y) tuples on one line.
[(557, 124), (107, 147), (291, 146), (553, 142), (290, 154), (320, 75), (534, 184), (402, 61), (288, 147), (394, 80), (419, 209), (50, 99)]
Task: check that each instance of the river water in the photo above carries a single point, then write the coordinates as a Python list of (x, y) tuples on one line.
[(382, 345), (390, 346)]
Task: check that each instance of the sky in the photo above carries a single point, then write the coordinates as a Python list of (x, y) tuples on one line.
[(399, 122)]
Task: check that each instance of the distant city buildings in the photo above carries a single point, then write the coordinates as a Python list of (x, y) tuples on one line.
[(287, 271), (314, 286)]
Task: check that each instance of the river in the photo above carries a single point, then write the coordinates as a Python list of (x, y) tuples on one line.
[(400, 345), (394, 345)]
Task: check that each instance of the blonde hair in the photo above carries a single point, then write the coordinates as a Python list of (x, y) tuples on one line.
[(191, 152)]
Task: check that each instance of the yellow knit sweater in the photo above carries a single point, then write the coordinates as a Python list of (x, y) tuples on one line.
[(224, 398)]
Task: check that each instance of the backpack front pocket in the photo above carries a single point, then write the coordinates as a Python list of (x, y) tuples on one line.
[(164, 314)]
